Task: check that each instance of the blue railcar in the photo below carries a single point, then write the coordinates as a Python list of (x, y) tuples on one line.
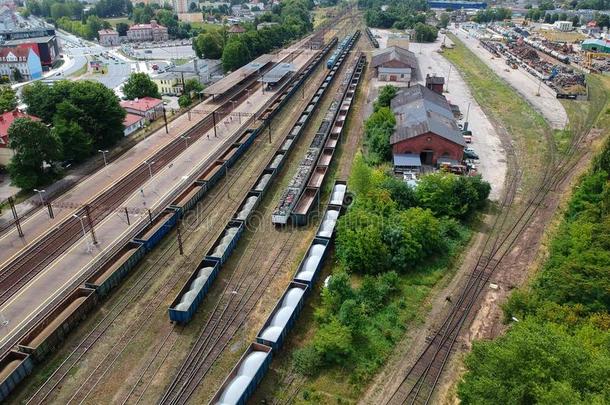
[(312, 262), (277, 161), (111, 273), (160, 226), (283, 317), (263, 181), (186, 303), (245, 376), (189, 197), (14, 367), (213, 173), (248, 206), (328, 224), (52, 330), (224, 245)]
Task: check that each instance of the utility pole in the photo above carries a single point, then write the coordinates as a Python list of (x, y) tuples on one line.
[(179, 239), (90, 224), (15, 216), (214, 122), (165, 119), (448, 75)]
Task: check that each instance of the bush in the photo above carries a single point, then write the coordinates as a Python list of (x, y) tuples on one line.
[(307, 361)]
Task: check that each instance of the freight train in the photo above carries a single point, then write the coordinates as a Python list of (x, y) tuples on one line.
[(335, 56)]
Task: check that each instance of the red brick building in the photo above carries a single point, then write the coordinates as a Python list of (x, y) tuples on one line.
[(425, 127)]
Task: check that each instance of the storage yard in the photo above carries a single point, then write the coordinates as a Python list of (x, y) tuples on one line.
[(172, 229)]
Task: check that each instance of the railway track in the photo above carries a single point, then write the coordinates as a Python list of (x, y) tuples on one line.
[(36, 257), (225, 320), (214, 205), (422, 378)]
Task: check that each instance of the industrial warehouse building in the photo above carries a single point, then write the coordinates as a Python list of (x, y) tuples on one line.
[(394, 64), (425, 128)]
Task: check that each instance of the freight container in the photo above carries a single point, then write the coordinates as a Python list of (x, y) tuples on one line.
[(329, 222), (283, 317), (184, 306), (224, 245), (160, 226), (189, 197), (245, 376), (312, 262), (14, 367), (309, 198), (47, 334), (248, 206), (213, 173), (263, 181), (115, 269)]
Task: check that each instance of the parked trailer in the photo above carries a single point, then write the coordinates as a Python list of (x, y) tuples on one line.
[(52, 330), (245, 376), (224, 245), (310, 265), (283, 316), (14, 367), (114, 270), (158, 228), (189, 298)]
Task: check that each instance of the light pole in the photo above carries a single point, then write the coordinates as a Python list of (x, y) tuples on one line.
[(40, 192), (448, 75), (149, 164), (82, 225), (103, 152)]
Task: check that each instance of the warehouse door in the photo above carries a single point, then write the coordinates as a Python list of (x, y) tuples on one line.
[(392, 78), (426, 157)]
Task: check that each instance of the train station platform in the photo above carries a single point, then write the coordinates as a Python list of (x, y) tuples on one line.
[(67, 271)]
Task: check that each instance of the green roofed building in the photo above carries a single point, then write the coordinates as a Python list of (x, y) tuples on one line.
[(596, 45)]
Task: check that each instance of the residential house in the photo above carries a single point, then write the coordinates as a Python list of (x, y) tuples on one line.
[(20, 64), (170, 83), (147, 107), (132, 123), (6, 119)]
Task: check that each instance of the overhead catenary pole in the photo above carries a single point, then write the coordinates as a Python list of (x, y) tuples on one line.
[(165, 119), (448, 75), (90, 224), (15, 216)]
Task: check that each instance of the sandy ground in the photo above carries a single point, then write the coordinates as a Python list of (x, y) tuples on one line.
[(524, 83), (485, 138)]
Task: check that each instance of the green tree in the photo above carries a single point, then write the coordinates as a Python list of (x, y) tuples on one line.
[(360, 180), (184, 101), (209, 45), (425, 33), (444, 20), (333, 342), (140, 85), (386, 94), (192, 85), (8, 99), (122, 28), (77, 145), (234, 55), (539, 362), (33, 146), (41, 100)]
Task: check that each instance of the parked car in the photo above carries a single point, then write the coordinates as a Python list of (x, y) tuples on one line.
[(470, 153)]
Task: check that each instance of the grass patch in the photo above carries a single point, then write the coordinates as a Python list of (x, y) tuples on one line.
[(204, 26), (115, 21), (506, 108)]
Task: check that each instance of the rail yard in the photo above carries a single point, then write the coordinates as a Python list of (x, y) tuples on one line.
[(316, 227)]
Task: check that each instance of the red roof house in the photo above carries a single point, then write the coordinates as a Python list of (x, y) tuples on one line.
[(148, 107), (6, 119)]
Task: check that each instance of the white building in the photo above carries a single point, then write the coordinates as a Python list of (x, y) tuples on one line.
[(563, 26), (108, 37), (22, 60)]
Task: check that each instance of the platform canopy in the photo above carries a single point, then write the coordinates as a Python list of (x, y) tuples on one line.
[(241, 74), (277, 73)]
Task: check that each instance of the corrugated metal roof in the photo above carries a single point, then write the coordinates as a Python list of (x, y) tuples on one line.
[(419, 110), (277, 73), (407, 160), (394, 53), (240, 74)]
